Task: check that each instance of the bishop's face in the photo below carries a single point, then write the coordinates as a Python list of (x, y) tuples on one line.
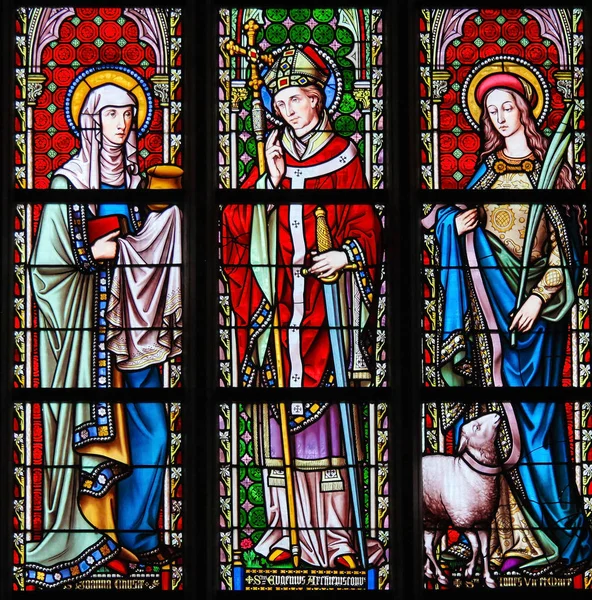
[(297, 109), (116, 122)]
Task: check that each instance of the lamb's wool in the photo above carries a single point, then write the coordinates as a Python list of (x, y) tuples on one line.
[(456, 494)]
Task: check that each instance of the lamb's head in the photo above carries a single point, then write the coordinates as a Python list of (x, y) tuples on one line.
[(478, 437)]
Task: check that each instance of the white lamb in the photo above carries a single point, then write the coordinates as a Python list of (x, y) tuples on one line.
[(463, 491)]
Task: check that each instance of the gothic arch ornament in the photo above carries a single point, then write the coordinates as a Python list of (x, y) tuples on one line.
[(447, 25), (555, 26), (153, 29), (44, 28)]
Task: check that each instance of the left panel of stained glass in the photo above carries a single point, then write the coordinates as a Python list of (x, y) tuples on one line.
[(73, 63), (97, 496), (97, 106)]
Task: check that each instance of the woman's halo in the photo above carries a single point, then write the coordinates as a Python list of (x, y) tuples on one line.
[(121, 76), (333, 88), (496, 64)]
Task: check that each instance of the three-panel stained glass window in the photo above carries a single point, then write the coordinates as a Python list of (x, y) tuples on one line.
[(312, 426)]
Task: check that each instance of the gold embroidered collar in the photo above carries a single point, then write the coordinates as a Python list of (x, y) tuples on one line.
[(505, 164)]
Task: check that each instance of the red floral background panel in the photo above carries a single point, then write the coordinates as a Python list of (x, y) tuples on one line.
[(90, 37), (487, 33)]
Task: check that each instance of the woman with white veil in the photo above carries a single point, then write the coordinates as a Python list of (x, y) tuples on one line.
[(99, 506)]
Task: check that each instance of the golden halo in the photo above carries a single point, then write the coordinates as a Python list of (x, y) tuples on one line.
[(98, 78), (517, 67)]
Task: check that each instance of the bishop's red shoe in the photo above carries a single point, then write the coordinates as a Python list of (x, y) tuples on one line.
[(279, 556), (347, 561)]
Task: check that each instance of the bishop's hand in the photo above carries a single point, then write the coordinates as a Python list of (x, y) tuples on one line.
[(274, 156), (328, 263)]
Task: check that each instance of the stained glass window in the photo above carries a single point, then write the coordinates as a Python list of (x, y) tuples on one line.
[(302, 301), (351, 286), (71, 65), (492, 66), (348, 43), (257, 543), (63, 53), (473, 334), (533, 497), (98, 299), (506, 500), (90, 509)]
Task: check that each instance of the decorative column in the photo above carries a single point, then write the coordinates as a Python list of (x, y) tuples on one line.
[(238, 94), (362, 94), (565, 85), (440, 79), (564, 81), (35, 83), (34, 90), (162, 92)]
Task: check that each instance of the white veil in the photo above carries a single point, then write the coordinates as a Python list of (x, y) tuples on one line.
[(98, 159)]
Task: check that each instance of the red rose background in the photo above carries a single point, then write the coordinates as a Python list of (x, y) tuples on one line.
[(63, 142), (110, 54), (97, 36), (469, 143), (487, 33), (448, 142), (490, 31)]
